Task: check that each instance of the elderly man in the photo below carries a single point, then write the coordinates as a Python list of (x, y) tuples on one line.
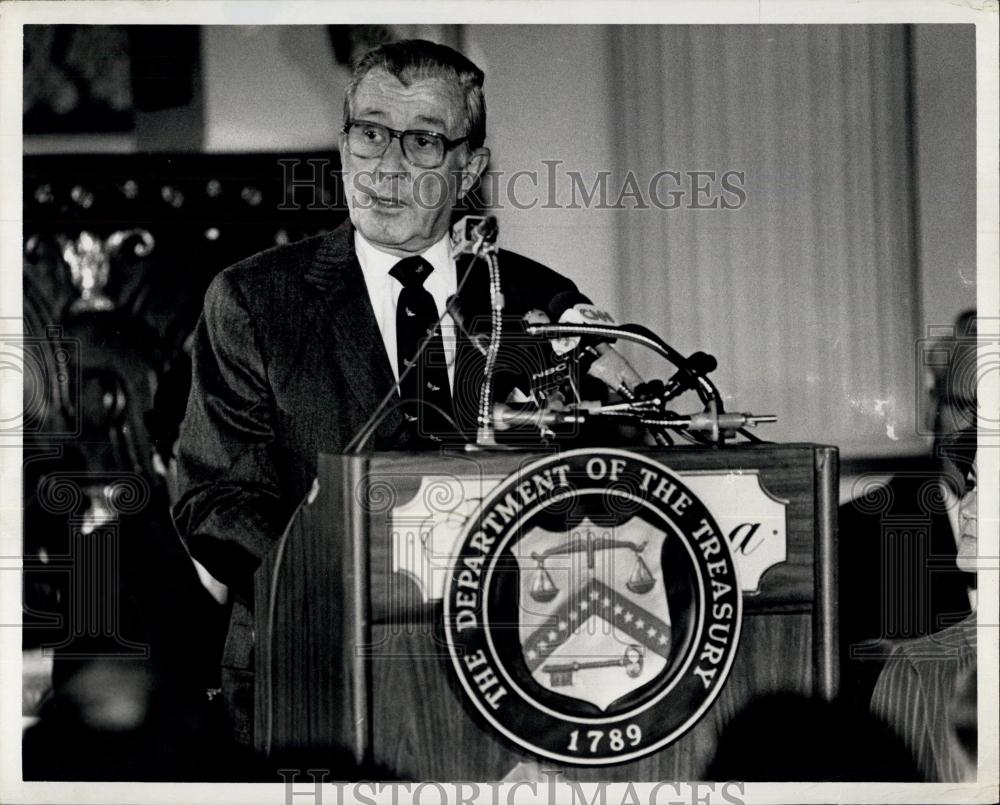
[(297, 346)]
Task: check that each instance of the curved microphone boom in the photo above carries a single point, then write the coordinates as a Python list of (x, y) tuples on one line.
[(639, 335)]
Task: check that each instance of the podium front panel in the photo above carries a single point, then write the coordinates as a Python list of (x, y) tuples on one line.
[(352, 659)]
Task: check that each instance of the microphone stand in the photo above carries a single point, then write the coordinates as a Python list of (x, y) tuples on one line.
[(485, 435), (485, 246)]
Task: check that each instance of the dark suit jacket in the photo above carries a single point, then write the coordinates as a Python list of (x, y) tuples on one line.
[(288, 362)]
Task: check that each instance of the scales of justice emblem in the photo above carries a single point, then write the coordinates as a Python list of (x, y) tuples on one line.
[(593, 607), (594, 619)]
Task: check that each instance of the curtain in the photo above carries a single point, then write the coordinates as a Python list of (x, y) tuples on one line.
[(807, 291)]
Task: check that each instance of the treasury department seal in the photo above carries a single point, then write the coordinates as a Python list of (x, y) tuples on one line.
[(593, 611)]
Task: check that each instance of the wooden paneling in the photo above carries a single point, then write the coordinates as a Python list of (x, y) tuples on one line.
[(786, 471), (423, 727), (312, 686)]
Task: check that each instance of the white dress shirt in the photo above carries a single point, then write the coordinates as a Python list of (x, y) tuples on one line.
[(383, 291)]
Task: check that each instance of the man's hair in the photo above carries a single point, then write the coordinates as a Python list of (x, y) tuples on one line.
[(416, 59), (957, 452)]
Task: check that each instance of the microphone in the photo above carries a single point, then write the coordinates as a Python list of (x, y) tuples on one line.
[(572, 307), (612, 369), (580, 309), (548, 374), (487, 229), (594, 353), (506, 416), (523, 359), (698, 364), (473, 234)]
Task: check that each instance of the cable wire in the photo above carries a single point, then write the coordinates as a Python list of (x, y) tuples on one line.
[(383, 409)]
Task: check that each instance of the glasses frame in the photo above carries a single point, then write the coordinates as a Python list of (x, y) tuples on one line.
[(396, 134)]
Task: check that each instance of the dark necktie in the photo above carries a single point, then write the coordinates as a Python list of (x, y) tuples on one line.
[(416, 315)]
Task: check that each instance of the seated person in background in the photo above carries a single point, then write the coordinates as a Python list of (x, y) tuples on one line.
[(926, 693), (898, 578), (919, 726)]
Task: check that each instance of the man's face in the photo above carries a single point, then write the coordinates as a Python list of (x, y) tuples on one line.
[(968, 544), (400, 208)]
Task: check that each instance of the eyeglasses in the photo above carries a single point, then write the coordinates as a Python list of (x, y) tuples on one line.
[(422, 149)]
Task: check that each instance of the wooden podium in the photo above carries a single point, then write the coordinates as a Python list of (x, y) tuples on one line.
[(350, 654)]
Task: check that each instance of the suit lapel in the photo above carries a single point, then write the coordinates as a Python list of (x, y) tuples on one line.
[(356, 345), (346, 312)]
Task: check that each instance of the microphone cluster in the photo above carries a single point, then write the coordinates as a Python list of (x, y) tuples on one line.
[(582, 338), (591, 353), (554, 349)]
